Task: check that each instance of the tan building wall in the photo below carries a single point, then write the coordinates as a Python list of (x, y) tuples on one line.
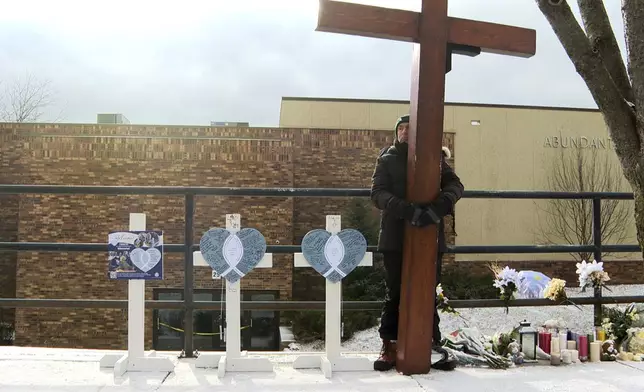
[(498, 148)]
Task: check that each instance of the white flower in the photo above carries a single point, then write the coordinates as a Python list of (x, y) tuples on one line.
[(506, 276), (594, 267), (581, 267), (585, 269), (439, 290)]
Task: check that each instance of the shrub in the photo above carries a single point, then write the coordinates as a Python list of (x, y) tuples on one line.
[(7, 334), (461, 283)]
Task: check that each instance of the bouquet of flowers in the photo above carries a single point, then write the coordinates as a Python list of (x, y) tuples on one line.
[(592, 275), (556, 290), (501, 341), (617, 322), (442, 302), (507, 281), (471, 348)]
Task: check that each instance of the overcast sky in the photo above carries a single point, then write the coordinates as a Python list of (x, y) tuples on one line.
[(191, 62)]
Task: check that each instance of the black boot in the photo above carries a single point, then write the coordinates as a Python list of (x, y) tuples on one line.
[(387, 359), (446, 363)]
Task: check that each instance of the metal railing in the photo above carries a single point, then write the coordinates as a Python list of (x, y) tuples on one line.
[(188, 304)]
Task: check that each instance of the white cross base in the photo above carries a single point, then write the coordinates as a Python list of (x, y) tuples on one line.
[(233, 360), (136, 360), (332, 359)]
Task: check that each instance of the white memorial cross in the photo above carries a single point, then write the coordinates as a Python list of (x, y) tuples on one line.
[(332, 359), (233, 360), (135, 360)]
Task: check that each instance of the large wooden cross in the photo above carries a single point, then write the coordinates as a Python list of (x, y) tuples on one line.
[(437, 36)]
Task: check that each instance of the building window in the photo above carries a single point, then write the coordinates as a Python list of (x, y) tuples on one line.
[(260, 329)]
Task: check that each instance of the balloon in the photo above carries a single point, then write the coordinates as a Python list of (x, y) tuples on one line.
[(532, 284)]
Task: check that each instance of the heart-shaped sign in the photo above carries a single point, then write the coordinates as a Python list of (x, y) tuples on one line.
[(232, 255), (145, 260), (334, 256)]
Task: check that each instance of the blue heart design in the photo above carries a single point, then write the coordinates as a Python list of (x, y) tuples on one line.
[(244, 250), (334, 257)]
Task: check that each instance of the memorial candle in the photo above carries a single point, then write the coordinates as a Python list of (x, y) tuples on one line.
[(583, 348), (547, 338), (566, 356), (601, 335), (554, 346), (563, 341), (595, 350)]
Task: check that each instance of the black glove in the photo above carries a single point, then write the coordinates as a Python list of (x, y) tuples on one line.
[(426, 218), (412, 212), (420, 216), (442, 206)]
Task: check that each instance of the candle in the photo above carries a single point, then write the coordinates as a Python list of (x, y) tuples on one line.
[(555, 359), (575, 355), (591, 338), (566, 356), (546, 343), (541, 339), (583, 348), (595, 349), (569, 335), (563, 341), (554, 347), (601, 335), (571, 345)]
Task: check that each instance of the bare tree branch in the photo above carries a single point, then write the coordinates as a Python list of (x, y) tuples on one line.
[(618, 114), (569, 221), (624, 119), (24, 100), (602, 41), (633, 16)]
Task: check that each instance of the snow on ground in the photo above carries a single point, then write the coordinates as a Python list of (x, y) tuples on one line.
[(492, 320), (69, 370), (25, 369)]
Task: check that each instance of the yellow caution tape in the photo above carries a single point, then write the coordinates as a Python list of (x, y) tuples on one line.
[(196, 333)]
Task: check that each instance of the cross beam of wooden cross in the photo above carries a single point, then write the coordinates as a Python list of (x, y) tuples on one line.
[(402, 25), (437, 36)]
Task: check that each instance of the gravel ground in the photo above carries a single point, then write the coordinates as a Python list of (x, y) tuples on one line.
[(491, 320)]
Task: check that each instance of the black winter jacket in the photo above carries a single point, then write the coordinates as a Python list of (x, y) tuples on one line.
[(388, 192)]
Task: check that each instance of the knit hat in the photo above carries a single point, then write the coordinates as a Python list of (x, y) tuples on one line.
[(403, 119)]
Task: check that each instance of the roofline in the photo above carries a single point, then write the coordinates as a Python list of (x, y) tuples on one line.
[(464, 104)]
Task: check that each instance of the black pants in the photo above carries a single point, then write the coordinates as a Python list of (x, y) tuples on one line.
[(393, 271)]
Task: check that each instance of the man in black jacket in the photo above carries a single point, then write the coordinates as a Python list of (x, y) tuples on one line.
[(388, 191)]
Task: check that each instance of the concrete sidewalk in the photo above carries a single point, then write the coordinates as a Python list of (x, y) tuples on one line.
[(53, 370)]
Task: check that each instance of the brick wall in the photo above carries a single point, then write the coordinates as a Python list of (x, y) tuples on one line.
[(9, 213), (97, 156), (181, 156)]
